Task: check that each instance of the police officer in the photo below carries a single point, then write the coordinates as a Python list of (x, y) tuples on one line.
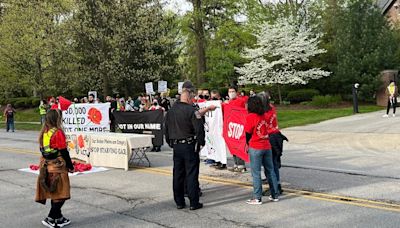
[(183, 129)]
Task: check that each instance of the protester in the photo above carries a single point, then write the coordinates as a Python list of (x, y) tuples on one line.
[(391, 92), (121, 106), (206, 94), (183, 127), (259, 149), (155, 106), (9, 113), (91, 99), (129, 105), (165, 103), (234, 99), (145, 105), (55, 163), (276, 138), (42, 111), (113, 108), (137, 103), (252, 93), (76, 101), (215, 95)]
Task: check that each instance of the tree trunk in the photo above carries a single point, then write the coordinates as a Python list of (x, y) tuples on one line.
[(279, 94), (106, 86), (200, 42)]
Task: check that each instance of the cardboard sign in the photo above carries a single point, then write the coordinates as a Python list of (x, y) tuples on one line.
[(162, 86), (149, 88), (180, 85)]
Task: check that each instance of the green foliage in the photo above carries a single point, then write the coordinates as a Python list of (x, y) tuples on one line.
[(325, 101), (301, 95), (365, 45)]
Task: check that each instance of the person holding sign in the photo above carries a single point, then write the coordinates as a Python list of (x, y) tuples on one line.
[(259, 149), (55, 163), (183, 129)]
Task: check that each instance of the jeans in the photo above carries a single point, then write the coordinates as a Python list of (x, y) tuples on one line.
[(186, 171), (264, 158), (10, 125), (42, 119)]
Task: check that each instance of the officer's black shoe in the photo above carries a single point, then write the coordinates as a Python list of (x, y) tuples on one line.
[(179, 207), (195, 207), (200, 193)]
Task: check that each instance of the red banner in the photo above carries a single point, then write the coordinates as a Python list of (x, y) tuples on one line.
[(234, 134)]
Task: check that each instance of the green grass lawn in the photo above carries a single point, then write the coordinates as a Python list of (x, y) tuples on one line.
[(287, 117), (292, 118)]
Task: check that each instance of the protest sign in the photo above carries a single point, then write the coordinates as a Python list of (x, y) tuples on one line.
[(149, 88), (234, 134), (162, 86), (147, 122), (87, 118), (215, 147), (180, 85)]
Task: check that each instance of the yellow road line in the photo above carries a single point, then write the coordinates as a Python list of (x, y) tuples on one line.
[(290, 192), (306, 194)]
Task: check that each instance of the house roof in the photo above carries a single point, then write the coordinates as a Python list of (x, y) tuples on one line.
[(385, 5)]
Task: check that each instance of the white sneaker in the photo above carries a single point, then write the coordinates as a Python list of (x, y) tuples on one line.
[(394, 115), (273, 199), (254, 202), (385, 116)]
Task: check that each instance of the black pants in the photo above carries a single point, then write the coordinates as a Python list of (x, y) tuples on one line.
[(238, 161), (390, 103), (55, 211), (186, 169)]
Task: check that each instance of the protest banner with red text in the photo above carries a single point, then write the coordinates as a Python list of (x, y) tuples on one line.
[(234, 134)]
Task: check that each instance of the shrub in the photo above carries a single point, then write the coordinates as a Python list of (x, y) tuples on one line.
[(301, 95), (325, 101), (35, 102), (19, 103)]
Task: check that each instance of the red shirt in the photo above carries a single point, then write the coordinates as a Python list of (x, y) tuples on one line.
[(58, 140), (239, 102), (273, 120), (258, 126)]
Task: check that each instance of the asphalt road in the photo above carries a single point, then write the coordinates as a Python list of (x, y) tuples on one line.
[(333, 176)]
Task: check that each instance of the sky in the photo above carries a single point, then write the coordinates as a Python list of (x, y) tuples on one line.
[(178, 6)]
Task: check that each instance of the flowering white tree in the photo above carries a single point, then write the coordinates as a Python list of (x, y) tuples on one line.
[(281, 48)]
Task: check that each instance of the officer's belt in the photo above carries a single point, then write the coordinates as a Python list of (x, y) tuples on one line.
[(190, 140)]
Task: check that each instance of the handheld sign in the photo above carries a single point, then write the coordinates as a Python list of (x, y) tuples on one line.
[(149, 88), (180, 85), (162, 86)]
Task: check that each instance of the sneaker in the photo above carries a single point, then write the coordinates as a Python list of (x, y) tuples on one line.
[(61, 222), (221, 167), (273, 199), (394, 115), (254, 201), (385, 116), (240, 170), (49, 222)]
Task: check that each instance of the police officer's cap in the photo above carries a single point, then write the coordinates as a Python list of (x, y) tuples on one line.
[(188, 86)]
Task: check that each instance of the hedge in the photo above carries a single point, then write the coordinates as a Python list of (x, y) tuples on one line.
[(301, 95)]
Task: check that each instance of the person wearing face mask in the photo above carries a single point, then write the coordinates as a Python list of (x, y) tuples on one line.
[(215, 95), (206, 94), (184, 127), (240, 101)]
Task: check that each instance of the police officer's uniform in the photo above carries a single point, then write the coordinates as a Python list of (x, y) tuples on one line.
[(183, 129)]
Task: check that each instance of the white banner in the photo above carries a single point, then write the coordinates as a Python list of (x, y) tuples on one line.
[(180, 85), (149, 88), (215, 147), (106, 149), (87, 118), (162, 86)]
